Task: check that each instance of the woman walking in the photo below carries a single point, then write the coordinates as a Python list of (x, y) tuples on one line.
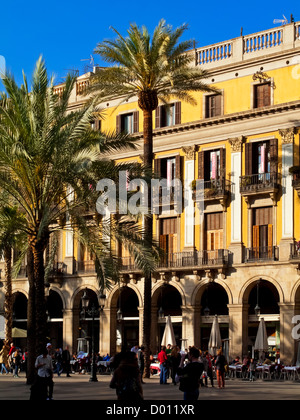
[(175, 359), (4, 358), (220, 369)]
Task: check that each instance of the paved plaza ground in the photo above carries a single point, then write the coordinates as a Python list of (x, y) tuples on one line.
[(78, 387)]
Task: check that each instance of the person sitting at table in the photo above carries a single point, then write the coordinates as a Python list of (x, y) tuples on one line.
[(236, 361), (106, 358)]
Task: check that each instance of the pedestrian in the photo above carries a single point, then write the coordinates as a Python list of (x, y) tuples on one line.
[(175, 359), (135, 349), (141, 361), (126, 379), (58, 362), (252, 370), (4, 358), (17, 359), (163, 365), (190, 375), (42, 389), (210, 373), (66, 359), (10, 357), (220, 369)]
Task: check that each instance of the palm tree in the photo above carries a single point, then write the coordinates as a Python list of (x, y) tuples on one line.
[(10, 237), (48, 158), (151, 69)]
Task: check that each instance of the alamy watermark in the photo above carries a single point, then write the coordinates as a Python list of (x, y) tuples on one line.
[(132, 197), (2, 66)]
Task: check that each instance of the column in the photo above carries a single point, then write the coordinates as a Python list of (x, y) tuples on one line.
[(238, 330), (189, 209), (236, 246), (287, 343), (188, 324), (68, 328), (287, 136)]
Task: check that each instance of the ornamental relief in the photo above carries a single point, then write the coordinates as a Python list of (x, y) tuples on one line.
[(287, 135), (236, 144)]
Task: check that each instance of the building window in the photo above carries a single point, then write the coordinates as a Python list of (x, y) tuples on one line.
[(168, 115), (261, 157), (212, 164), (128, 123), (96, 125), (262, 232), (262, 95), (213, 106)]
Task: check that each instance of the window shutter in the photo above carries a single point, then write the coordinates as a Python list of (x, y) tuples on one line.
[(270, 241), (255, 241), (248, 158), (223, 163), (157, 167), (118, 124), (266, 94), (136, 122), (218, 105), (158, 112), (178, 113), (201, 165), (178, 167), (274, 155)]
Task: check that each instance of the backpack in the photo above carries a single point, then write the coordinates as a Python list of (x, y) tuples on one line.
[(129, 389)]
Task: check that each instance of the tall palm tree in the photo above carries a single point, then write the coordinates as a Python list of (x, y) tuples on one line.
[(48, 157), (151, 69)]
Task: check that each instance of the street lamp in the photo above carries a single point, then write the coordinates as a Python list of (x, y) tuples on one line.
[(257, 308), (92, 312)]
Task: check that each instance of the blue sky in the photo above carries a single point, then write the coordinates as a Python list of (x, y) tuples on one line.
[(66, 32)]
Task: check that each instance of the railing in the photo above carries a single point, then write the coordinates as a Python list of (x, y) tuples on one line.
[(263, 40), (85, 266), (214, 53), (248, 46), (265, 253), (215, 188), (259, 182), (195, 259), (58, 269), (295, 251)]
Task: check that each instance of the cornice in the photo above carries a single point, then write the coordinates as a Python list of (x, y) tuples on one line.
[(224, 119)]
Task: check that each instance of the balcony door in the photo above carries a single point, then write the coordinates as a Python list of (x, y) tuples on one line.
[(168, 240), (262, 240), (213, 234)]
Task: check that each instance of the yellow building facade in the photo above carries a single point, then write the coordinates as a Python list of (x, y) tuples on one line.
[(240, 260)]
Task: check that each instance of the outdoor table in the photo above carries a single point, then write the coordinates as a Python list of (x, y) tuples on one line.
[(291, 372), (155, 367)]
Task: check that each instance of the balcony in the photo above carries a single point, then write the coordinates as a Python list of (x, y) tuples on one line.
[(196, 260), (261, 254), (295, 252), (213, 190), (266, 183), (85, 267)]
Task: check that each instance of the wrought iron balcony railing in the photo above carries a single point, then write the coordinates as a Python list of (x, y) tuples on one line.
[(295, 251), (265, 253), (196, 259), (257, 183)]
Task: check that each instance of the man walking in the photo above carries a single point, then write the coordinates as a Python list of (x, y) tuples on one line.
[(163, 365), (44, 385), (66, 358)]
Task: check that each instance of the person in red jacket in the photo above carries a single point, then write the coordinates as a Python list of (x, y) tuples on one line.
[(163, 362)]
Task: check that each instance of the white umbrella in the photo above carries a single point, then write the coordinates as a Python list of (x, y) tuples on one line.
[(19, 333), (215, 341), (169, 336), (261, 342)]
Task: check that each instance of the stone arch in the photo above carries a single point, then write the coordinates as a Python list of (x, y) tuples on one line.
[(248, 286), (295, 293), (157, 289), (201, 287), (112, 298)]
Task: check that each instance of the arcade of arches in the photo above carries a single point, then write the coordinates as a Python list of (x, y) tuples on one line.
[(191, 302)]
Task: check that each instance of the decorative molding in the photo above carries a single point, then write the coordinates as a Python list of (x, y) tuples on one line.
[(287, 135), (189, 152), (236, 144)]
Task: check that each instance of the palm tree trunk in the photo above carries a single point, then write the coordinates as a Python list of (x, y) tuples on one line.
[(148, 226), (31, 325), (8, 293), (40, 305)]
